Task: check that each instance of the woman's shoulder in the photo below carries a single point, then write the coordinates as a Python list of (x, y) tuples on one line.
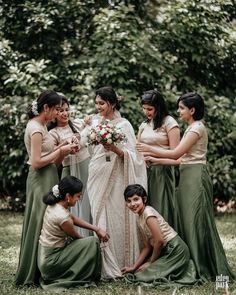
[(33, 126), (197, 127), (169, 122), (149, 211)]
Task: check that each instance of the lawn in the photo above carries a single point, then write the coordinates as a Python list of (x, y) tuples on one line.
[(10, 232)]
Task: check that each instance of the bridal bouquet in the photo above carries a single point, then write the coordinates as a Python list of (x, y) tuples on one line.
[(105, 132)]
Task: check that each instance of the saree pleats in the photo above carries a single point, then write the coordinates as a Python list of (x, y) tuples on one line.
[(39, 182), (196, 224)]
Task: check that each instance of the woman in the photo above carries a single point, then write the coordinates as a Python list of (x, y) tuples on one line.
[(159, 130), (65, 259), (196, 224), (76, 164), (164, 260), (42, 176), (106, 183)]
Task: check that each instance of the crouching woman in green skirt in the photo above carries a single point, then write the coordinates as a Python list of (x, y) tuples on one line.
[(165, 259), (66, 259)]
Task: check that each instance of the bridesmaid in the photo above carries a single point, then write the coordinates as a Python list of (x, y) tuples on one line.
[(65, 259), (159, 130), (77, 164), (196, 224), (42, 176)]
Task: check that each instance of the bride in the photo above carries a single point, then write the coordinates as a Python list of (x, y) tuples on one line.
[(106, 184)]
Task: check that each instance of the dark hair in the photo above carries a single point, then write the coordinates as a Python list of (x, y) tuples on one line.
[(53, 124), (108, 94), (135, 189), (69, 184), (193, 100), (51, 98), (155, 98)]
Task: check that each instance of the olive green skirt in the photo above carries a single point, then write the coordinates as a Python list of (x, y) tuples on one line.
[(39, 182), (161, 191), (76, 264), (172, 269), (196, 223)]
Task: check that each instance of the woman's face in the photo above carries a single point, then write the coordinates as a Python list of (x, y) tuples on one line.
[(135, 204), (63, 115), (103, 107), (184, 112), (73, 199), (149, 111), (52, 112)]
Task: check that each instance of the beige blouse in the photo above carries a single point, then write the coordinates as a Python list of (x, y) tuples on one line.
[(51, 234), (159, 136), (197, 154), (60, 134), (167, 231), (33, 127)]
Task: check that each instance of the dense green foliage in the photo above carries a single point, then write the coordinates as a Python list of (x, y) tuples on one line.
[(76, 46)]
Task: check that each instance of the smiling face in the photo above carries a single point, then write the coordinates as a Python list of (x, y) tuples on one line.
[(73, 199), (136, 204), (185, 113), (104, 108), (51, 113), (149, 111), (63, 115)]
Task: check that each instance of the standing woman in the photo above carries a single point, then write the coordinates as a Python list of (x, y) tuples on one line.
[(196, 224), (159, 130), (76, 164), (42, 176), (106, 183)]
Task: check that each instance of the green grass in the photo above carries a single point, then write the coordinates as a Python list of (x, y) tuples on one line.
[(10, 232)]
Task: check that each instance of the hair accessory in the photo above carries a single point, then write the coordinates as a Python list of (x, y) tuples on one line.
[(120, 98), (34, 107), (55, 191)]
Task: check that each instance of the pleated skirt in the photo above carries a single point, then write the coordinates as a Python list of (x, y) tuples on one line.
[(39, 182), (161, 191), (173, 268), (196, 223), (76, 264)]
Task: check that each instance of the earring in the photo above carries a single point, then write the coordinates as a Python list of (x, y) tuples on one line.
[(68, 203)]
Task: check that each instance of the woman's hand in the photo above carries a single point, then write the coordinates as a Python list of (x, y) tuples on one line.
[(109, 146), (144, 266), (143, 147), (103, 235), (127, 269)]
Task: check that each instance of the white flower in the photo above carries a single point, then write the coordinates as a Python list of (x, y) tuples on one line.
[(55, 191), (34, 107), (109, 141)]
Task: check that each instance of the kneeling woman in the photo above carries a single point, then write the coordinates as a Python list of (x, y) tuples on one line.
[(164, 260), (65, 258)]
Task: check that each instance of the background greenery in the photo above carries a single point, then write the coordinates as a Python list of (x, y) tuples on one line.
[(76, 46)]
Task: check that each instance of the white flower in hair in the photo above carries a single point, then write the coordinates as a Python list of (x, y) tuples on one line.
[(34, 107), (55, 191)]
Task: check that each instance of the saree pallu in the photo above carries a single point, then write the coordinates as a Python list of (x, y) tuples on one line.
[(76, 264), (196, 223), (39, 182), (82, 209), (161, 191), (173, 268)]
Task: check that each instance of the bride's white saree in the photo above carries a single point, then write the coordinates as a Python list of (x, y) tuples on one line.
[(106, 184)]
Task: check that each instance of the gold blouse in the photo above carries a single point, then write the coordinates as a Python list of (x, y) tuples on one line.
[(167, 231)]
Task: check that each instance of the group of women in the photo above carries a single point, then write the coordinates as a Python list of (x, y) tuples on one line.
[(148, 161)]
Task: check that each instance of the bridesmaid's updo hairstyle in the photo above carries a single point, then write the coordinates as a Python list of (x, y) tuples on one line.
[(51, 98), (135, 189), (108, 94), (68, 184), (155, 99), (193, 100)]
